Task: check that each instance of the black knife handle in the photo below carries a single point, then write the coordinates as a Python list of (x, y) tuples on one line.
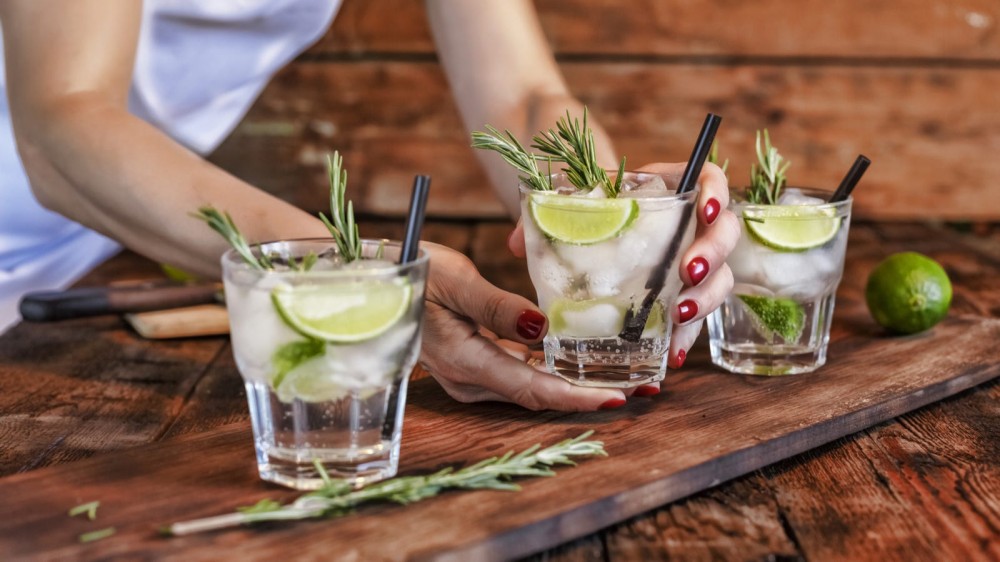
[(45, 306)]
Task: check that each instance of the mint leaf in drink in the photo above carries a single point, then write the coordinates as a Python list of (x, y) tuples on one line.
[(776, 316), (291, 355)]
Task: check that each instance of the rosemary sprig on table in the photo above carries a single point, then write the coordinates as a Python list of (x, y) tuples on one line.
[(573, 143), (511, 150), (343, 228), (767, 177), (336, 498)]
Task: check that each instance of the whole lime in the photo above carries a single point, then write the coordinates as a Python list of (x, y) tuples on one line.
[(908, 293)]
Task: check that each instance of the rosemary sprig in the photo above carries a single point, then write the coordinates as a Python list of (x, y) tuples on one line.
[(511, 150), (713, 157), (343, 228), (767, 177), (336, 498), (90, 508), (573, 143), (222, 223)]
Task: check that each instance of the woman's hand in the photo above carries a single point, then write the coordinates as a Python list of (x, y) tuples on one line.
[(476, 337), (707, 279)]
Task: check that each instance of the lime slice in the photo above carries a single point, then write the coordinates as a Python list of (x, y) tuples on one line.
[(772, 316), (602, 317), (578, 220), (793, 228), (309, 382), (342, 313)]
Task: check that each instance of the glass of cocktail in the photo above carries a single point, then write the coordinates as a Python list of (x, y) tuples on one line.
[(325, 352), (594, 260), (786, 268)]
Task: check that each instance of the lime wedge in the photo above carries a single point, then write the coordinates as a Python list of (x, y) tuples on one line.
[(780, 316), (793, 228), (577, 220), (342, 313), (309, 382)]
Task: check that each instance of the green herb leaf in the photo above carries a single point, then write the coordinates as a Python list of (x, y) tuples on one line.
[(341, 222), (511, 150), (767, 176), (293, 354), (224, 225), (97, 535), (90, 508), (573, 143), (337, 497)]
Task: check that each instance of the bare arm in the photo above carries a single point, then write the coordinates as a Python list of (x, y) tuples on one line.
[(502, 73), (69, 68)]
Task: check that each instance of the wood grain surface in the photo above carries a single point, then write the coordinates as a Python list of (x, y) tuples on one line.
[(922, 487), (909, 84)]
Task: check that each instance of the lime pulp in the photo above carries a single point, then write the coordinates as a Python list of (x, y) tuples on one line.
[(580, 220)]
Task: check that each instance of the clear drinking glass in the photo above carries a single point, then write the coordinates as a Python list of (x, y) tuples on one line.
[(786, 267), (591, 258), (326, 355)]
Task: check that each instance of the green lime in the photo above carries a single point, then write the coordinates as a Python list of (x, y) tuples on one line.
[(595, 317), (342, 313), (775, 315), (310, 381), (793, 228), (578, 220), (908, 293)]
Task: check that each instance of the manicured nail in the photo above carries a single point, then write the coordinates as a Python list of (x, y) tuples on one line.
[(646, 391), (681, 356), (687, 310), (530, 324), (697, 270), (613, 403), (711, 210)]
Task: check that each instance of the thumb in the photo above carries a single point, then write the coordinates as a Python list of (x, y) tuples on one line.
[(457, 285)]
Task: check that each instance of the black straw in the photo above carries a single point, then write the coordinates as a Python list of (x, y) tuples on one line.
[(635, 320), (415, 219), (701, 149), (851, 179)]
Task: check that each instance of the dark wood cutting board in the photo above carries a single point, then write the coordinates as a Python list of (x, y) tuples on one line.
[(706, 428)]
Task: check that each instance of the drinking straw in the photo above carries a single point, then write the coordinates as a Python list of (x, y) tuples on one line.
[(635, 321), (415, 219), (851, 179)]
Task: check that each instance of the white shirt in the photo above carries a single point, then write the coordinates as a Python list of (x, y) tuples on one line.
[(199, 66)]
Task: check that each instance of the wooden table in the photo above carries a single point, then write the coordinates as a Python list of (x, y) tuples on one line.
[(923, 486)]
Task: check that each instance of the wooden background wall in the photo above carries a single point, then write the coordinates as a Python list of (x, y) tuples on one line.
[(913, 84)]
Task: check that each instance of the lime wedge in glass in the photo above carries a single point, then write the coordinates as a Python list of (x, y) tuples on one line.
[(343, 312), (578, 220), (309, 382), (776, 316), (793, 228)]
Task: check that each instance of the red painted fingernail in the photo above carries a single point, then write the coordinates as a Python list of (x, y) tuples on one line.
[(697, 270), (646, 391), (530, 324), (687, 310), (711, 210), (613, 403), (681, 356)]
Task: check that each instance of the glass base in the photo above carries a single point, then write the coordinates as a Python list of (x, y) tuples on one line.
[(770, 360), (607, 362), (354, 437)]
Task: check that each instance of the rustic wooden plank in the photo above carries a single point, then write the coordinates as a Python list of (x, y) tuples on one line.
[(939, 29), (707, 427), (396, 119)]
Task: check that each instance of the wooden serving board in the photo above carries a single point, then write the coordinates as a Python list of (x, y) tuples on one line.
[(706, 428)]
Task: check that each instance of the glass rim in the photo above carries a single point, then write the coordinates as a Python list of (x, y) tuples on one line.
[(526, 190), (232, 260), (810, 191)]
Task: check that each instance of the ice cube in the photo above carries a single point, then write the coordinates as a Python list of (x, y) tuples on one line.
[(600, 320), (794, 196), (549, 274), (653, 187)]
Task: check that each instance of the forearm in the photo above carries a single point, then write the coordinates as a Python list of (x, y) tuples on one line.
[(502, 73), (97, 164)]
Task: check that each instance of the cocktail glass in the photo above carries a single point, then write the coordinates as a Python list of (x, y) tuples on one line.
[(786, 267), (326, 355), (591, 258)]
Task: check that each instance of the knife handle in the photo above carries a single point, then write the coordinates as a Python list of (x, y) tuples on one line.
[(44, 306)]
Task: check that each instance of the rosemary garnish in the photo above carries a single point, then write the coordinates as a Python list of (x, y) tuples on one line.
[(97, 535), (343, 228), (514, 153), (572, 143), (713, 157), (337, 498), (767, 177), (90, 508)]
